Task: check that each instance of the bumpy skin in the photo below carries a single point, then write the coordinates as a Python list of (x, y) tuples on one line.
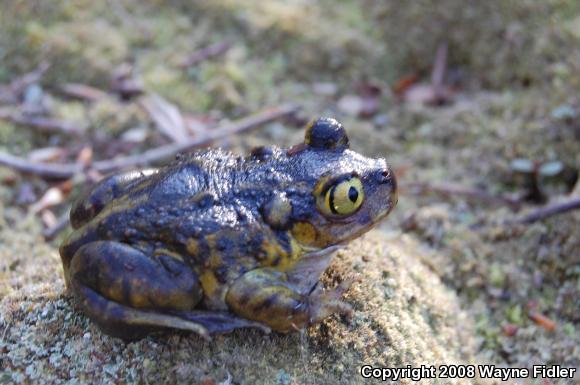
[(215, 242)]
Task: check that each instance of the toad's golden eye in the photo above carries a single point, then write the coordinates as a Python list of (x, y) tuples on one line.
[(344, 197)]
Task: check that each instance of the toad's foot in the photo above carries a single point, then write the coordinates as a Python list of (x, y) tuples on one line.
[(323, 303)]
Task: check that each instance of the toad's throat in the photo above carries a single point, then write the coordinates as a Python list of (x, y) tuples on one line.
[(305, 272)]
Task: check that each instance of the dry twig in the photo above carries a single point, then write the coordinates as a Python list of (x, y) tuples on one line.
[(83, 92), (46, 170), (205, 53), (221, 131), (550, 210), (125, 82), (438, 74), (61, 224), (47, 124), (9, 93), (156, 154)]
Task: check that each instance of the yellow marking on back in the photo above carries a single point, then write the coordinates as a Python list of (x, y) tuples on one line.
[(277, 256), (114, 290), (289, 261), (139, 301), (214, 259), (193, 247), (121, 205), (168, 253), (209, 283), (272, 249)]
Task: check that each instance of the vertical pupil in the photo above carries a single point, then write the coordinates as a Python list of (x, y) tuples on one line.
[(352, 194)]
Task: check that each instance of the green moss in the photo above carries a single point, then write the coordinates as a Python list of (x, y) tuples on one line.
[(496, 275), (514, 315)]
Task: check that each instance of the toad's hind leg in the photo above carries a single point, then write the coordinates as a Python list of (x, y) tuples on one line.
[(128, 294)]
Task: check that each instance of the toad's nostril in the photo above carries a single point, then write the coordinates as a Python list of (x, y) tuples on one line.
[(384, 176)]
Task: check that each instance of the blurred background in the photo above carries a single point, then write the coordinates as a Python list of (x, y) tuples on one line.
[(474, 103)]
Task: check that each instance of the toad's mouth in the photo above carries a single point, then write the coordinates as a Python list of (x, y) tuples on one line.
[(319, 253), (348, 233)]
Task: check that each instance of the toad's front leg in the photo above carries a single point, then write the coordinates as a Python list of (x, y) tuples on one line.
[(266, 295)]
